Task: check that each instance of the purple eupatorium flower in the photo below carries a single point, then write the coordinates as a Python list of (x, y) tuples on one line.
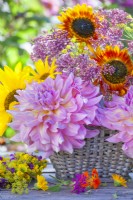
[(49, 45), (51, 115), (124, 3), (79, 65)]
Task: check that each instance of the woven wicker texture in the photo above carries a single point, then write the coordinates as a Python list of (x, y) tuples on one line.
[(106, 157)]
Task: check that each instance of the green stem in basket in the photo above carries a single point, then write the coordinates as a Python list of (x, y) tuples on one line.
[(56, 178), (63, 182)]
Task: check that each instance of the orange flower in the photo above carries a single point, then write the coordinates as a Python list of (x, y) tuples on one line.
[(95, 173), (120, 62), (84, 181), (80, 22), (86, 174), (94, 181), (119, 180)]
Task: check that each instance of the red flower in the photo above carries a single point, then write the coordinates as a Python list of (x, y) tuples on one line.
[(94, 181)]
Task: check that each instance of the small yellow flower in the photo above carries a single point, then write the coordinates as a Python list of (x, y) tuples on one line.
[(43, 70), (119, 180), (27, 177), (12, 165), (22, 167), (26, 157), (36, 168), (34, 160), (19, 173), (42, 183)]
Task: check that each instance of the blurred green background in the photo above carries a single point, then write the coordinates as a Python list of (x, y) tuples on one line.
[(20, 22)]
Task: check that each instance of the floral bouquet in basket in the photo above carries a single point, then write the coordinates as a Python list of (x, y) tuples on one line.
[(83, 76)]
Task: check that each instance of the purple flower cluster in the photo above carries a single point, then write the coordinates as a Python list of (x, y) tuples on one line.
[(12, 170), (31, 166), (49, 45), (79, 65), (130, 46), (12, 157), (79, 181), (124, 3), (111, 30), (1, 158), (3, 182)]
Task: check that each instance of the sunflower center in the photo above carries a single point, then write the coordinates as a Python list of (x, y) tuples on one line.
[(83, 27), (44, 76), (9, 99), (119, 74)]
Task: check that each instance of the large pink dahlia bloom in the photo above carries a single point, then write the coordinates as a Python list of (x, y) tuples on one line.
[(51, 115), (118, 115)]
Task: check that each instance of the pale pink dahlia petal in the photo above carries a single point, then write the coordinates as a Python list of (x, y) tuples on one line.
[(92, 133), (75, 117), (51, 115), (120, 137), (128, 148), (67, 85), (67, 146)]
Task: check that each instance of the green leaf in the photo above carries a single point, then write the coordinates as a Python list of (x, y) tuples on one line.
[(55, 188), (9, 133), (104, 184), (35, 186), (66, 182), (115, 196)]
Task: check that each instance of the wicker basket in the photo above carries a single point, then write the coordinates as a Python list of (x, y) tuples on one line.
[(97, 153)]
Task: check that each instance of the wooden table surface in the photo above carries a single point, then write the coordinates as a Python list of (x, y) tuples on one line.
[(108, 192)]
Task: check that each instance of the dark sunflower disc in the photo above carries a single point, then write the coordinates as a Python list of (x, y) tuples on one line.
[(119, 74), (83, 27)]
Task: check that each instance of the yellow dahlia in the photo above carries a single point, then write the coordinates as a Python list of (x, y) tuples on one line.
[(10, 81), (121, 64), (119, 180), (43, 70), (80, 22)]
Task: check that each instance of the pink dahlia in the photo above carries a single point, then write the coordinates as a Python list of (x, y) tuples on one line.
[(118, 115), (51, 115)]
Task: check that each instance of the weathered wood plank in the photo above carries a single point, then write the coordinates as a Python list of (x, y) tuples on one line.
[(103, 193)]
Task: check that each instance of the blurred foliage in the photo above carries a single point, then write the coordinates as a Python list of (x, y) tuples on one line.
[(21, 21), (9, 133)]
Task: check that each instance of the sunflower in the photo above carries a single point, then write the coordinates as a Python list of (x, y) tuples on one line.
[(80, 22), (43, 70), (119, 180), (117, 60), (10, 81)]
